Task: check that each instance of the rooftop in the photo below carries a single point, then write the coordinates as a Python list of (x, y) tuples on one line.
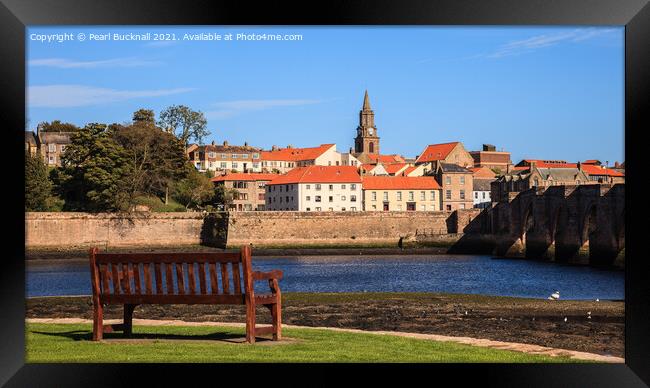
[(319, 174), (296, 154), (399, 182), (244, 177), (436, 152)]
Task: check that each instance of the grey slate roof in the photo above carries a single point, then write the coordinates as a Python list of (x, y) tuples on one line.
[(481, 184), (450, 167), (30, 137), (56, 137)]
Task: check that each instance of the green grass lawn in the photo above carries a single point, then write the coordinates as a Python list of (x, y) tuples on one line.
[(71, 343)]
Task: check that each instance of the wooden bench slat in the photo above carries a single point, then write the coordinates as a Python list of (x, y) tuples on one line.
[(190, 278), (116, 279), (180, 278), (136, 278), (103, 258), (159, 288), (103, 270), (264, 330), (126, 279), (236, 278), (224, 278), (147, 278), (202, 279), (265, 299), (214, 284), (170, 281), (173, 299)]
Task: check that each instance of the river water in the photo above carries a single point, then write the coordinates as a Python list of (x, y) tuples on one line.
[(466, 274)]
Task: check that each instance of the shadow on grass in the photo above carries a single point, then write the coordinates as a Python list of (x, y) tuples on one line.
[(83, 335)]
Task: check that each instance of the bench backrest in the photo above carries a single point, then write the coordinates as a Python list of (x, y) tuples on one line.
[(171, 277)]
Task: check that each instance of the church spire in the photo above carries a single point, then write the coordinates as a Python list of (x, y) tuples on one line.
[(366, 102)]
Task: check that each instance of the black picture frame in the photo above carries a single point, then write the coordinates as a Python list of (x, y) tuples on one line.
[(15, 15)]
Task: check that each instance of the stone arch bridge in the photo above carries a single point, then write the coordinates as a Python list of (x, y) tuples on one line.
[(575, 224)]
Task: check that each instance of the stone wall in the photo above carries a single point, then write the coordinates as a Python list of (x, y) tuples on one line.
[(82, 230)]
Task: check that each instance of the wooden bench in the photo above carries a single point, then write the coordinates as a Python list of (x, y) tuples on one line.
[(181, 278)]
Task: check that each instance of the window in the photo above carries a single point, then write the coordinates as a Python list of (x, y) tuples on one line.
[(63, 149), (374, 207), (308, 198), (342, 209), (448, 195), (317, 209), (433, 195), (343, 187), (462, 180), (280, 199), (354, 209), (234, 156), (476, 194), (448, 180), (286, 187), (423, 207), (51, 147), (343, 198), (224, 165), (423, 195), (256, 156), (484, 195), (287, 199), (212, 154), (448, 207), (52, 159), (317, 198), (244, 156), (411, 196), (308, 209), (308, 187), (256, 165), (331, 199), (331, 209), (353, 198), (536, 182), (317, 186), (331, 187), (353, 186), (374, 195), (260, 196), (385, 195), (462, 194), (399, 196), (280, 188), (461, 206), (235, 165)]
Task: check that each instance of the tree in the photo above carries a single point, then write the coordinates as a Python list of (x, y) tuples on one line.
[(184, 123), (37, 185), (224, 196), (144, 116), (195, 190), (155, 158), (57, 126), (93, 172)]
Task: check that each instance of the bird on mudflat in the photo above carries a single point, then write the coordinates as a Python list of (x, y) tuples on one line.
[(554, 296)]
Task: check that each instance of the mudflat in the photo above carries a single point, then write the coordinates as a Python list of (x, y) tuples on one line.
[(530, 321)]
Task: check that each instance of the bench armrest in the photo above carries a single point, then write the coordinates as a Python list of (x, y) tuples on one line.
[(275, 274)]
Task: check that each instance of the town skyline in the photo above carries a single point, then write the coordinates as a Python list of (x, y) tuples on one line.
[(585, 113)]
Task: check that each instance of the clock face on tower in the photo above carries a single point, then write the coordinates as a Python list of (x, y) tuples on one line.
[(370, 130)]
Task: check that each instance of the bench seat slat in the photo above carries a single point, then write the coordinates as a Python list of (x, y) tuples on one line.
[(170, 281), (236, 278), (202, 279), (264, 330), (136, 278), (159, 287), (180, 278), (214, 283), (190, 278), (147, 278), (116, 279), (224, 278), (266, 299), (103, 258), (173, 299), (126, 278)]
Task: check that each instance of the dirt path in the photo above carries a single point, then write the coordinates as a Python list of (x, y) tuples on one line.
[(512, 320)]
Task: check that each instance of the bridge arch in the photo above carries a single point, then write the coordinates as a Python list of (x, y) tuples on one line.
[(589, 228), (558, 232), (527, 223)]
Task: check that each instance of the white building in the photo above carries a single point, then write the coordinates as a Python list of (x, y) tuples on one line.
[(285, 159), (481, 193), (316, 188)]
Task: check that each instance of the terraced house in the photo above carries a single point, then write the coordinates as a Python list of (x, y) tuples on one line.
[(316, 188), (401, 193), (283, 160), (225, 158), (250, 190)]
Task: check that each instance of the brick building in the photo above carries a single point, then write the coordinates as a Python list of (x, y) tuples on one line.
[(250, 187), (52, 145), (457, 185), (225, 158), (400, 193), (283, 160), (489, 157), (481, 192), (32, 143), (450, 153)]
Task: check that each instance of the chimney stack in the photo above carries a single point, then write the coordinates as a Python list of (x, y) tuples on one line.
[(225, 143), (533, 164), (245, 144), (579, 166), (274, 148), (212, 142)]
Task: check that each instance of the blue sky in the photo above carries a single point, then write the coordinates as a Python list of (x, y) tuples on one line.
[(546, 93)]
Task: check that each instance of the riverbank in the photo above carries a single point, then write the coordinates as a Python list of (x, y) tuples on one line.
[(521, 320)]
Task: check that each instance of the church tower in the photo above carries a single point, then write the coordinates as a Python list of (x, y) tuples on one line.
[(367, 140)]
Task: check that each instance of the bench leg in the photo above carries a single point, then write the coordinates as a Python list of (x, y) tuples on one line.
[(128, 319), (98, 322), (276, 314), (250, 323)]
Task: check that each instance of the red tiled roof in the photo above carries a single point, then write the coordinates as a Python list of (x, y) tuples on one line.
[(386, 159), (394, 168), (409, 170), (245, 177), (597, 170), (368, 166), (295, 154), (550, 164), (399, 182), (436, 152), (482, 172), (319, 174), (591, 161)]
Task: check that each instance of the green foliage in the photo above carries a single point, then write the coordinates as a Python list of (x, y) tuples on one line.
[(184, 123), (224, 196), (57, 126), (195, 191), (155, 204), (93, 170), (37, 185), (144, 116)]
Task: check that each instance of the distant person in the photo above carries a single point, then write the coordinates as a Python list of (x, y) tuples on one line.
[(400, 244)]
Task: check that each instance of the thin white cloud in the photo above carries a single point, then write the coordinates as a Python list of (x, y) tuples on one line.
[(525, 46), (228, 109), (68, 96), (63, 63)]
